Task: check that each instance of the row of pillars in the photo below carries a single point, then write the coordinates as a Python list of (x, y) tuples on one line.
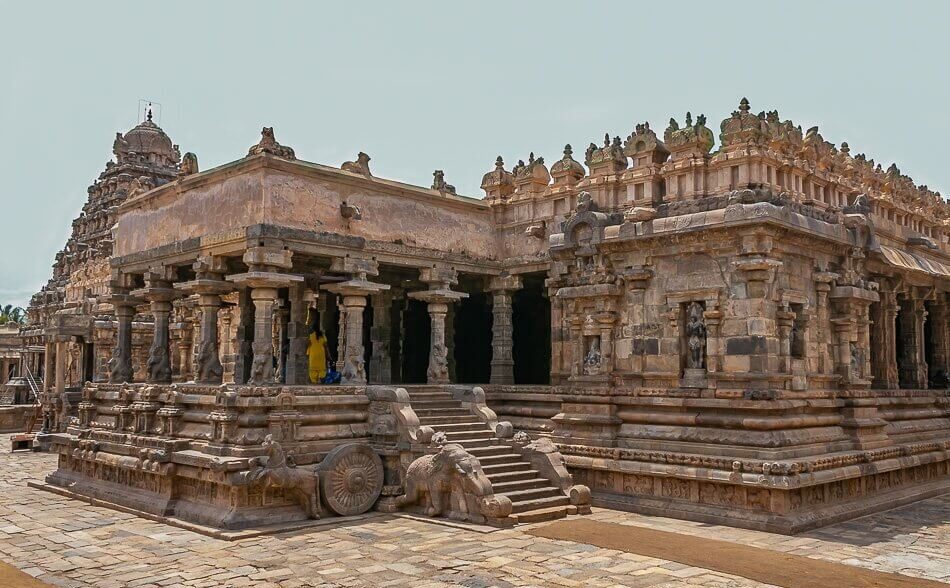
[(261, 283), (899, 356)]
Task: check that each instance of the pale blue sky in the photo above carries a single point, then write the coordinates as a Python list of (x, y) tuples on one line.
[(426, 85)]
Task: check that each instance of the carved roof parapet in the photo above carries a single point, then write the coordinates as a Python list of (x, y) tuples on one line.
[(691, 139), (567, 171), (531, 177), (607, 160), (499, 183), (644, 140)]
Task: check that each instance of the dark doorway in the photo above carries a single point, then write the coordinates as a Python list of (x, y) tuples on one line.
[(329, 321), (531, 319), (89, 363), (473, 339), (900, 327), (416, 340), (929, 349)]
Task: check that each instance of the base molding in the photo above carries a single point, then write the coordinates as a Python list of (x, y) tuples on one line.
[(770, 509), (225, 534)]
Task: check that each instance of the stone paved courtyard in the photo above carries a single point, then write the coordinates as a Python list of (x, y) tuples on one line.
[(69, 543)]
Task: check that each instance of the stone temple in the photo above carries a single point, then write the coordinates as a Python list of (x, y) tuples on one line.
[(755, 335)]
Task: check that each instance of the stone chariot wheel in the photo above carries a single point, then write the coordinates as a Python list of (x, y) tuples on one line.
[(351, 478)]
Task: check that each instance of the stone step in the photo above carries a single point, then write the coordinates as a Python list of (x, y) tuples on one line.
[(457, 427), (504, 458), (541, 515), (503, 477), (528, 494), (487, 450), (436, 402), (470, 444), (539, 503), (456, 436), (507, 488), (440, 412), (505, 468), (417, 395), (462, 419)]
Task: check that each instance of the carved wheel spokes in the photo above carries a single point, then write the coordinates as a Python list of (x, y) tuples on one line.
[(351, 478)]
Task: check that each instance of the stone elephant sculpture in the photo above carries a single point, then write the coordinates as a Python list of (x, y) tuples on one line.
[(450, 482)]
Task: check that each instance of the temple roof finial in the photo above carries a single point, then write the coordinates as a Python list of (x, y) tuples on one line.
[(148, 112), (744, 105)]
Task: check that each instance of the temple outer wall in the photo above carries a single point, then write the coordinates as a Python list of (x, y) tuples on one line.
[(264, 190)]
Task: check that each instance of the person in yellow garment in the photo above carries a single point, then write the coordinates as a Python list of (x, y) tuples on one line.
[(317, 353)]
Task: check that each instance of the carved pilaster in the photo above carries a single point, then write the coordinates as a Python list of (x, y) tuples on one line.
[(913, 364), (380, 365), (502, 358)]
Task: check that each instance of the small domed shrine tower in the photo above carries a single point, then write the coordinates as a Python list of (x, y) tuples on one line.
[(68, 316)]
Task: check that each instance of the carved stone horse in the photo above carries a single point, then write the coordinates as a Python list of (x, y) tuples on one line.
[(302, 483)]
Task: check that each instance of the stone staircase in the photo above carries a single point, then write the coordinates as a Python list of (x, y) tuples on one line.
[(533, 497)]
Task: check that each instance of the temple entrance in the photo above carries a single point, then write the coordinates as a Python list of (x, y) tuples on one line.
[(416, 341), (531, 321), (473, 339)]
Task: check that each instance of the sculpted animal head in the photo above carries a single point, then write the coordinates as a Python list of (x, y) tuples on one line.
[(463, 465), (362, 158)]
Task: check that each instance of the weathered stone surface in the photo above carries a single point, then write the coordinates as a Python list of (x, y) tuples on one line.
[(756, 334)]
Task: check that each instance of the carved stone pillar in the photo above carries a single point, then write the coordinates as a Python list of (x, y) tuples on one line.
[(297, 373), (48, 355), (354, 293), (438, 372), (852, 337), (120, 365), (353, 351), (60, 379), (502, 358), (262, 367), (438, 296), (380, 363), (822, 288), (884, 352), (913, 365), (159, 293), (159, 360), (210, 370)]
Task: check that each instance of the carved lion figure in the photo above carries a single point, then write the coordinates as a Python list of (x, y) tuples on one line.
[(360, 166), (448, 481), (438, 364)]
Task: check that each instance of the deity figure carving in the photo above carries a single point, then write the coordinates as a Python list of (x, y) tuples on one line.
[(139, 186), (592, 360), (353, 370), (696, 337), (209, 366), (438, 364)]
